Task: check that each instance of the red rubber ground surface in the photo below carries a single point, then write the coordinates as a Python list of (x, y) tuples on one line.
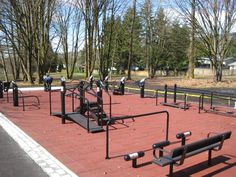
[(84, 153)]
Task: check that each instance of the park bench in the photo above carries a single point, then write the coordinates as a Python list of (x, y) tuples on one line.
[(177, 155)]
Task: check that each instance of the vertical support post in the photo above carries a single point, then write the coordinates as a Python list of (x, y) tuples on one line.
[(134, 163), (211, 100), (209, 156), (50, 102), (99, 92), (171, 170), (142, 86), (175, 91), (161, 152), (122, 88), (1, 89), (107, 140), (15, 94), (73, 102), (63, 109), (185, 101), (202, 101), (165, 94), (81, 90), (91, 81), (106, 83), (183, 141), (156, 97), (142, 90)]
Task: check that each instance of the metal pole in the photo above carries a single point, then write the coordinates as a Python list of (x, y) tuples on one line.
[(15, 95), (81, 90), (1, 89), (202, 101), (165, 94), (167, 125), (99, 92), (134, 116), (156, 97), (175, 90), (73, 102), (142, 85), (110, 105), (199, 103), (122, 88), (211, 100), (63, 111), (107, 139), (185, 101), (50, 102)]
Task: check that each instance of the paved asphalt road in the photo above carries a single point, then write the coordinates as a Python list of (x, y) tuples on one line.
[(14, 162)]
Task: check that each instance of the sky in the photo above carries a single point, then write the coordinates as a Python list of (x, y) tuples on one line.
[(168, 6)]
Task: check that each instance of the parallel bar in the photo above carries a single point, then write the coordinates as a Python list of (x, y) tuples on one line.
[(113, 119)]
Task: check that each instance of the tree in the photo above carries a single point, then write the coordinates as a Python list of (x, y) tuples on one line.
[(213, 24), (131, 41), (178, 43), (191, 56), (26, 25), (148, 25), (160, 51), (69, 19)]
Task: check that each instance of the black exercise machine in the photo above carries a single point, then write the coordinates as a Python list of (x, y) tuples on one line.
[(121, 87)]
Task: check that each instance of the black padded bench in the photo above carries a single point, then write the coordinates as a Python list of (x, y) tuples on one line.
[(178, 155)]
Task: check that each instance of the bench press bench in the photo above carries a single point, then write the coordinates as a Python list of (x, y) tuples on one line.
[(178, 155)]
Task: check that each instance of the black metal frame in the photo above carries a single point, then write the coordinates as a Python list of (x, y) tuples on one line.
[(214, 143), (110, 100), (16, 92), (50, 99), (113, 119), (174, 104), (212, 96), (28, 96)]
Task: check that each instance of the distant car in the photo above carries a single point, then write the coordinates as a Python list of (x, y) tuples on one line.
[(112, 69), (141, 68), (134, 68)]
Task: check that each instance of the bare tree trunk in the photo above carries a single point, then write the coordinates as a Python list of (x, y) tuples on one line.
[(4, 66), (131, 41), (191, 64)]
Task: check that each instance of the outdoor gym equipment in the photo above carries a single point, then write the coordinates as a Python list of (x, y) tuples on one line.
[(114, 119), (142, 86), (85, 106), (218, 103), (1, 89), (16, 94), (174, 103), (160, 145), (91, 81), (121, 87), (47, 82), (178, 155), (106, 83), (99, 91), (5, 88), (183, 135), (134, 156)]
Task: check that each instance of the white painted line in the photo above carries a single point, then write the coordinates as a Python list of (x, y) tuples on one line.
[(40, 155)]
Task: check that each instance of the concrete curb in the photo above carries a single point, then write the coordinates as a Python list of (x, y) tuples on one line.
[(49, 164)]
